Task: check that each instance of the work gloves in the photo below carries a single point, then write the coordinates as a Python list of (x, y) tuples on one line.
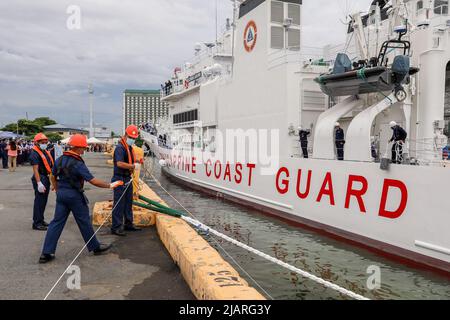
[(116, 184), (41, 187), (137, 166)]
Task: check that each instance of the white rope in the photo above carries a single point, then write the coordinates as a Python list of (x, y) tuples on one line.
[(218, 244), (87, 242), (305, 274)]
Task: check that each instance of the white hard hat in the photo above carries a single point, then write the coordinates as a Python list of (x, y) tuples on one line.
[(337, 124), (392, 124), (162, 163)]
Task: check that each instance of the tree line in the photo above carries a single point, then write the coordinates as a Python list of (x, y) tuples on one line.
[(30, 128)]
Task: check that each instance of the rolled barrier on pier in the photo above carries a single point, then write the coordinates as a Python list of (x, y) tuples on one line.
[(102, 215), (209, 276)]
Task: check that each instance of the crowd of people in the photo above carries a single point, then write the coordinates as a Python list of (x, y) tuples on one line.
[(14, 153), (167, 87), (97, 148)]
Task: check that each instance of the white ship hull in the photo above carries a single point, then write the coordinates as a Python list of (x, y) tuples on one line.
[(256, 85), (404, 220)]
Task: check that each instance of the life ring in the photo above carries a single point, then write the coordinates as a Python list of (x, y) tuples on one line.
[(186, 84)]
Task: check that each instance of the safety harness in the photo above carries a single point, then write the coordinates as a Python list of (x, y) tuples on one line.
[(66, 172), (47, 165), (130, 154)]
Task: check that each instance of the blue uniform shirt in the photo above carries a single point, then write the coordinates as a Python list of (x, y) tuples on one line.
[(79, 172), (121, 155), (35, 159), (340, 137)]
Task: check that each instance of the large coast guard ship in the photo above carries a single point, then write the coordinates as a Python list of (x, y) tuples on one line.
[(236, 108)]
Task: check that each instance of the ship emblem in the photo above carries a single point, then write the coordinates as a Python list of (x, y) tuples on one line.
[(250, 36)]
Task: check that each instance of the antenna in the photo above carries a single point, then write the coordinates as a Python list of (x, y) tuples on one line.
[(91, 111), (217, 18)]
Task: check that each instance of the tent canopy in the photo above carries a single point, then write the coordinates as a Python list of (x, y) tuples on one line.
[(66, 140), (95, 141), (9, 135)]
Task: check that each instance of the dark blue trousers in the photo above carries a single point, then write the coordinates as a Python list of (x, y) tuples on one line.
[(40, 200), (340, 150), (70, 200), (4, 158), (124, 209)]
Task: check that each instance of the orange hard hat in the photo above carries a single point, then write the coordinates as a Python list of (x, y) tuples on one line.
[(39, 137), (132, 131), (78, 141)]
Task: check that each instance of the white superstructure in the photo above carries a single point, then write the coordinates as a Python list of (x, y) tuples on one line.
[(235, 108)]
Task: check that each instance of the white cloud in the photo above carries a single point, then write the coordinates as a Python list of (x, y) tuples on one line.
[(45, 68)]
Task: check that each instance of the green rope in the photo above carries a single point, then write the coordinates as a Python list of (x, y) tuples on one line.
[(153, 203), (361, 73), (157, 207), (159, 210), (319, 80)]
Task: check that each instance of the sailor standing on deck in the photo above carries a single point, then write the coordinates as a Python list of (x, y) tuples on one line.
[(69, 175), (42, 163), (399, 136), (339, 141), (124, 166), (303, 134)]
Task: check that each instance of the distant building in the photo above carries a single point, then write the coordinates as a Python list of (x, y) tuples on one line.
[(101, 133), (65, 131), (143, 106)]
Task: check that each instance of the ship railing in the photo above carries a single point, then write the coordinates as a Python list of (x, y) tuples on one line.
[(441, 10), (185, 85), (424, 152), (189, 124), (301, 56), (441, 14)]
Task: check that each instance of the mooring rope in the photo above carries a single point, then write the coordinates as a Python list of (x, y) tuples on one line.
[(217, 242), (128, 184), (283, 264), (303, 273)]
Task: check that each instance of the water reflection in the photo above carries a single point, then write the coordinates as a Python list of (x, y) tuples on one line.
[(337, 262)]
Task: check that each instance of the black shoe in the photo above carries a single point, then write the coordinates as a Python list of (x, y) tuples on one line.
[(46, 258), (40, 228), (45, 224), (102, 249), (119, 233), (132, 228)]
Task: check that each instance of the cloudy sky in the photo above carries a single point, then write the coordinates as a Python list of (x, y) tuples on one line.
[(45, 67)]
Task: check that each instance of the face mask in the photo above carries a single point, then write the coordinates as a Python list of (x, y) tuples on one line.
[(43, 146), (130, 141)]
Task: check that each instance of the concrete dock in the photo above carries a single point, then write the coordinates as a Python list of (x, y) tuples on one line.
[(138, 267)]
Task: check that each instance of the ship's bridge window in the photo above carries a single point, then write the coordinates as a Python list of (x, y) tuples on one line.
[(277, 12), (294, 13), (294, 39), (441, 7), (419, 5), (277, 41)]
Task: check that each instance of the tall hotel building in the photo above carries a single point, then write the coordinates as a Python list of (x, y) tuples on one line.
[(143, 106)]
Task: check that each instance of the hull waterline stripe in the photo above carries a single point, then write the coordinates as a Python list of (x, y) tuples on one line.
[(290, 207), (432, 247)]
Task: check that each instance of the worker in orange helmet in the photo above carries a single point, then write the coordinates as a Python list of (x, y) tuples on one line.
[(124, 165), (42, 163), (69, 175)]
